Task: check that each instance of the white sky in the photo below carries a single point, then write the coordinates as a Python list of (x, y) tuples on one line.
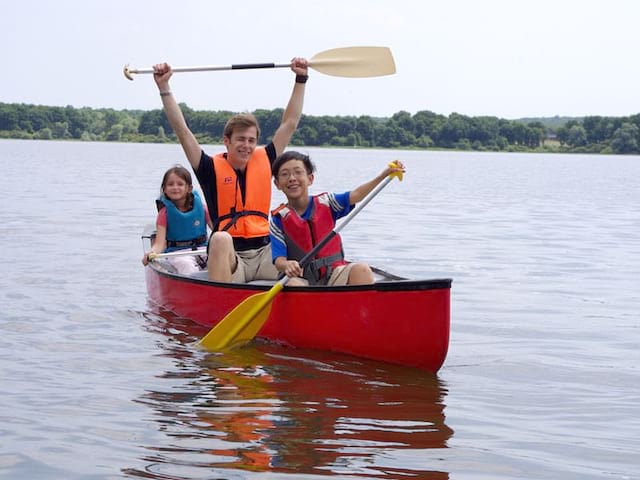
[(507, 58)]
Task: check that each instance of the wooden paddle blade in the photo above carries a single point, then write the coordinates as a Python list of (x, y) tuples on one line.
[(354, 62), (242, 323)]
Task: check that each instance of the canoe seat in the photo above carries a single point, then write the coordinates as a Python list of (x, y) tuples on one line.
[(378, 275), (203, 275)]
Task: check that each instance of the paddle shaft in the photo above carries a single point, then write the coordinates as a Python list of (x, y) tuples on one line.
[(309, 256), (205, 68)]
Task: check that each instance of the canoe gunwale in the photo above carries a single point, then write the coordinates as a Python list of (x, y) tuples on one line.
[(394, 283)]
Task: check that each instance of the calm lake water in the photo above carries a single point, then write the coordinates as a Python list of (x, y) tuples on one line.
[(542, 379)]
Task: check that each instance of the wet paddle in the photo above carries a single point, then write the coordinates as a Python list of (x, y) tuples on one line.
[(245, 320), (339, 62)]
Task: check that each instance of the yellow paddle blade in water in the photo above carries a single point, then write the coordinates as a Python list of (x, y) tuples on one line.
[(242, 323)]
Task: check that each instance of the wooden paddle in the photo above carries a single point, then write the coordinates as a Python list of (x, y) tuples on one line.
[(244, 321), (339, 62)]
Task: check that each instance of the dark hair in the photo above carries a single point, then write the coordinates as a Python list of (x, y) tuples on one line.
[(184, 174), (292, 155), (241, 121)]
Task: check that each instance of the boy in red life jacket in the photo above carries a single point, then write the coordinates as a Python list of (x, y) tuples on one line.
[(237, 183), (297, 226)]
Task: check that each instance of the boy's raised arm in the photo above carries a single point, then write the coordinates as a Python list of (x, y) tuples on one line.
[(359, 193)]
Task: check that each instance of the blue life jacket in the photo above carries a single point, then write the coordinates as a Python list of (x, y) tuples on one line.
[(185, 229)]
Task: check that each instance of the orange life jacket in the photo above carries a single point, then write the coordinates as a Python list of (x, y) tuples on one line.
[(248, 219)]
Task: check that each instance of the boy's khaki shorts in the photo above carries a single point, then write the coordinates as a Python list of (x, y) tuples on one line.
[(339, 276)]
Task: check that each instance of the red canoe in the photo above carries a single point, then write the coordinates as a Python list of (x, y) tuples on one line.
[(394, 320)]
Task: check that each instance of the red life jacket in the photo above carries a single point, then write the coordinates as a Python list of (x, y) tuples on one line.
[(248, 218), (302, 235)]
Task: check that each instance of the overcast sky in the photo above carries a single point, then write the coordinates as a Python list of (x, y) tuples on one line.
[(504, 58)]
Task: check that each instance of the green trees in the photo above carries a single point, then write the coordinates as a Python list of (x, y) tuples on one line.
[(625, 139), (424, 129), (65, 123)]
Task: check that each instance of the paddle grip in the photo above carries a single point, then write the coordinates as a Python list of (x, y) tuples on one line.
[(252, 65)]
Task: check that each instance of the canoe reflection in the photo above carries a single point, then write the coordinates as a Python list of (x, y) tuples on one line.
[(267, 408)]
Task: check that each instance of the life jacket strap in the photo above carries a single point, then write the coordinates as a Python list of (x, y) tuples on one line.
[(234, 216), (314, 273), (196, 242)]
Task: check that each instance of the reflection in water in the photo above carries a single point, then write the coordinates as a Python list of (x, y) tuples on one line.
[(268, 408)]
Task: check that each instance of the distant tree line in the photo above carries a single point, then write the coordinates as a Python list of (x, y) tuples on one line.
[(422, 130)]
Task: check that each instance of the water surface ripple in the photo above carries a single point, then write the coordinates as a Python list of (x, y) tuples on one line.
[(541, 381)]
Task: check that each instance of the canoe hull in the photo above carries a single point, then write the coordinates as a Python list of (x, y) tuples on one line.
[(400, 321)]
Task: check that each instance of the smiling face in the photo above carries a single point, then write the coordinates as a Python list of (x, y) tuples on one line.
[(176, 189), (240, 146), (293, 180)]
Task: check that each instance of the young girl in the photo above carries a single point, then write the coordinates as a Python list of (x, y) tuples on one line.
[(181, 223)]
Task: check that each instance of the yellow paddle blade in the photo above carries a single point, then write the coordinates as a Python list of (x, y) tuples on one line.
[(354, 62), (242, 323)]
